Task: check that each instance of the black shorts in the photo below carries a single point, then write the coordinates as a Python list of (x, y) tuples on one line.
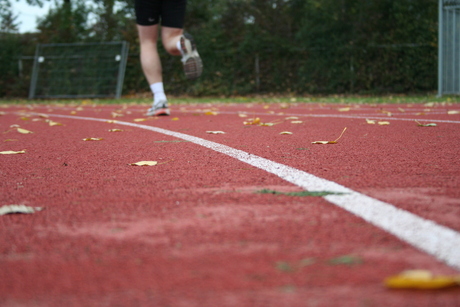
[(170, 12)]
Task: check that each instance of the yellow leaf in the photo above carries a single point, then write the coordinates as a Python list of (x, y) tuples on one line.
[(215, 132), (25, 118), (344, 109), (24, 131), (401, 110), (420, 279), (51, 123), (296, 122), (11, 152), (111, 121), (92, 139), (330, 142), (371, 122), (453, 112), (267, 124), (139, 119), (252, 121), (115, 130), (291, 118), (10, 140), (175, 118), (383, 123), (210, 113), (144, 163), (266, 107), (73, 112), (242, 115), (285, 132)]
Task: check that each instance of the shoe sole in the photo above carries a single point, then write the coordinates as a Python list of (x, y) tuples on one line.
[(193, 66), (159, 112)]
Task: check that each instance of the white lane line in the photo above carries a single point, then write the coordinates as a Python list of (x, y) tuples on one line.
[(439, 241)]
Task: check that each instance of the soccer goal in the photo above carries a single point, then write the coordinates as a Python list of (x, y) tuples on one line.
[(78, 70), (449, 47)]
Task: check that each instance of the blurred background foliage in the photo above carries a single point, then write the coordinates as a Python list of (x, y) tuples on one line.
[(252, 46)]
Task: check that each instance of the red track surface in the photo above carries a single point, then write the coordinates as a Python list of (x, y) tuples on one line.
[(191, 231)]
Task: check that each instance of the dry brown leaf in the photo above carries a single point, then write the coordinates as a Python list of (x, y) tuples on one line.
[(425, 125), (252, 121), (330, 142), (421, 279), (24, 131), (11, 152), (144, 163), (10, 209)]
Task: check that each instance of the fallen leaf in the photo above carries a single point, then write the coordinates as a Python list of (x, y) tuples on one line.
[(242, 115), (145, 163), (175, 118), (43, 115), (73, 112), (296, 122), (10, 140), (215, 132), (139, 119), (291, 118), (453, 112), (421, 279), (25, 118), (401, 110), (285, 132), (252, 121), (115, 130), (383, 123), (210, 113), (92, 139), (267, 124), (344, 109), (425, 125), (111, 121), (369, 121), (11, 152), (24, 131), (330, 142), (115, 114), (51, 123), (10, 209)]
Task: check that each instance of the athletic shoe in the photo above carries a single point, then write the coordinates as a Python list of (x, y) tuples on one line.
[(159, 109), (193, 66)]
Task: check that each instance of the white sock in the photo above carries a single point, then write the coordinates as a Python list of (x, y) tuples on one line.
[(179, 48), (158, 92)]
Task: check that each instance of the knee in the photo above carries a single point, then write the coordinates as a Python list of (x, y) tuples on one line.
[(170, 47)]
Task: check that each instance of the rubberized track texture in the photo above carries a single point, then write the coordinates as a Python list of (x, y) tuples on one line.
[(224, 217)]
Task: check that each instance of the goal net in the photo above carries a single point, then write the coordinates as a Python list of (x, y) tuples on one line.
[(78, 70)]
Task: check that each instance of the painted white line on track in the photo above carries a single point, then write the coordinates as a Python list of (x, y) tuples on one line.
[(439, 241)]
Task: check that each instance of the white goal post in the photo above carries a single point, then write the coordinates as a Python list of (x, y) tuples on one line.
[(79, 70)]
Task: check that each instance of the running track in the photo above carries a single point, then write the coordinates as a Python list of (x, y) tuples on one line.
[(191, 231)]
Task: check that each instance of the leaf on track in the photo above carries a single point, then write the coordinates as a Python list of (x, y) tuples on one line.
[(92, 139), (215, 132), (210, 113), (144, 163), (11, 152), (139, 120), (11, 209), (111, 121), (291, 118), (115, 130), (452, 112), (425, 125), (344, 109), (301, 193), (52, 123), (24, 131), (330, 142), (370, 121), (285, 132), (252, 121), (384, 123), (296, 122), (421, 279), (175, 118)]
